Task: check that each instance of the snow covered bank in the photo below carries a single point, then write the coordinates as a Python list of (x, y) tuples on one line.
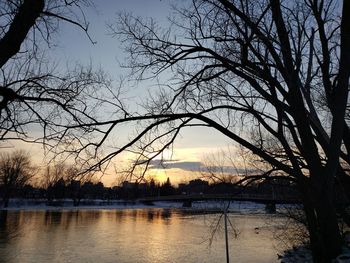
[(303, 254), (67, 204)]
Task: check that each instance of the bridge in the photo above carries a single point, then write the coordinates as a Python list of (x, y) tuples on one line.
[(187, 199)]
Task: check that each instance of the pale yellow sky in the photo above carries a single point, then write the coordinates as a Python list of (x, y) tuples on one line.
[(185, 166)]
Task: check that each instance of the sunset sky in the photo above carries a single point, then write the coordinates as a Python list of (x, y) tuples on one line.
[(72, 46)]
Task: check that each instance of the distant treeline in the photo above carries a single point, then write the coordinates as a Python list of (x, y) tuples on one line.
[(61, 181), (77, 191)]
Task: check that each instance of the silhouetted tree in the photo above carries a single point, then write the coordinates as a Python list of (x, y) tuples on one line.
[(152, 188), (34, 91), (51, 176), (16, 170), (273, 76), (92, 190), (230, 166), (99, 190), (75, 192), (75, 179), (70, 176), (167, 188), (58, 189)]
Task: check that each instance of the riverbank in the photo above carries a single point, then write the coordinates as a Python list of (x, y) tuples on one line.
[(244, 207), (303, 254)]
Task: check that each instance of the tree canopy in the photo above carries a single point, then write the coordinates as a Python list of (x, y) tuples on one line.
[(34, 91), (273, 76)]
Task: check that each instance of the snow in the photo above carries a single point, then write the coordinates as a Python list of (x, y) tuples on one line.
[(96, 204), (67, 204), (303, 254), (296, 254)]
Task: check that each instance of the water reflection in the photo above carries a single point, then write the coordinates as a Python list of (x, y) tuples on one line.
[(52, 218), (9, 226), (130, 235), (166, 214), (150, 215)]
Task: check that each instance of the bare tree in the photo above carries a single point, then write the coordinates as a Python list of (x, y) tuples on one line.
[(273, 76), (35, 94), (75, 179), (236, 165), (51, 176), (67, 174), (16, 171), (222, 167)]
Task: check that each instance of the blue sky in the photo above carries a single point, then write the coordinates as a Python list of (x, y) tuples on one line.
[(73, 45)]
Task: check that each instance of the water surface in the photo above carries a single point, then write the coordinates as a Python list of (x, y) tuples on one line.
[(133, 235)]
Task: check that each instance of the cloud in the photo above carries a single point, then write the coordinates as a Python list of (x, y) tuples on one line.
[(196, 166), (229, 170), (183, 165)]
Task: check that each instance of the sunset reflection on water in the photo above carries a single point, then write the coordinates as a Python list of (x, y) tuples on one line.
[(130, 235)]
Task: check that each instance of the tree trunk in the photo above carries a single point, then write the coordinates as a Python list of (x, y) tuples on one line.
[(314, 236), (323, 227), (27, 14), (328, 224)]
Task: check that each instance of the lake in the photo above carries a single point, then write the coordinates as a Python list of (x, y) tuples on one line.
[(134, 235)]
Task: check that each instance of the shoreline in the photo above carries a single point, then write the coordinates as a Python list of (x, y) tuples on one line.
[(240, 207)]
